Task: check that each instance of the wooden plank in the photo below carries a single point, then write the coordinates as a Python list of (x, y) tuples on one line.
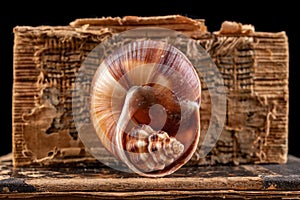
[(98, 181)]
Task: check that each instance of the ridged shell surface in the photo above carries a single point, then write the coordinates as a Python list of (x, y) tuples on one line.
[(144, 107)]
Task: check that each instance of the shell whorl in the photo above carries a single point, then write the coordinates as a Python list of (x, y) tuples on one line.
[(139, 78), (151, 150)]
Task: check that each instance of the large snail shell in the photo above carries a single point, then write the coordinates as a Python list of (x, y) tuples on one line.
[(144, 107)]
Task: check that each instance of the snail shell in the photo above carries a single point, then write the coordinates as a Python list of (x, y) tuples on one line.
[(144, 107)]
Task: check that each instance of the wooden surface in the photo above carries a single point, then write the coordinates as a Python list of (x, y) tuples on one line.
[(216, 182)]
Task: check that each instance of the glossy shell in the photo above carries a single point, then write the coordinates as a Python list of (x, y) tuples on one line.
[(144, 107)]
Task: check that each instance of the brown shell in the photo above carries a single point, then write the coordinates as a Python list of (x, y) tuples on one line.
[(146, 83)]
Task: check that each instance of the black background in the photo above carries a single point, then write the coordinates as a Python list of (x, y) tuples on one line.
[(272, 18)]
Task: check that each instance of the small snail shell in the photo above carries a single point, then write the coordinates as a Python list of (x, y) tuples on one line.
[(144, 107)]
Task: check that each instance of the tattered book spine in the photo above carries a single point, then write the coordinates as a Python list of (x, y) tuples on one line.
[(254, 66), (255, 72)]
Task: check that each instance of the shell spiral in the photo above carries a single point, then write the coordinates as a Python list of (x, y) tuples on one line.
[(144, 107)]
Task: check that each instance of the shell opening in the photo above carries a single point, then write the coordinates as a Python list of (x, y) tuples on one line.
[(149, 146)]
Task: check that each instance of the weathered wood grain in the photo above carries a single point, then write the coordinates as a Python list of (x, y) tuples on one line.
[(213, 182)]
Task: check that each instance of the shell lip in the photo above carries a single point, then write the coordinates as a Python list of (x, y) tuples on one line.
[(176, 164)]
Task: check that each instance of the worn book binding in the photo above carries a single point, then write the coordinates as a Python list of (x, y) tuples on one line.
[(254, 66)]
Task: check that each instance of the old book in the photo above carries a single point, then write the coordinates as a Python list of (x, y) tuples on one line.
[(254, 67)]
